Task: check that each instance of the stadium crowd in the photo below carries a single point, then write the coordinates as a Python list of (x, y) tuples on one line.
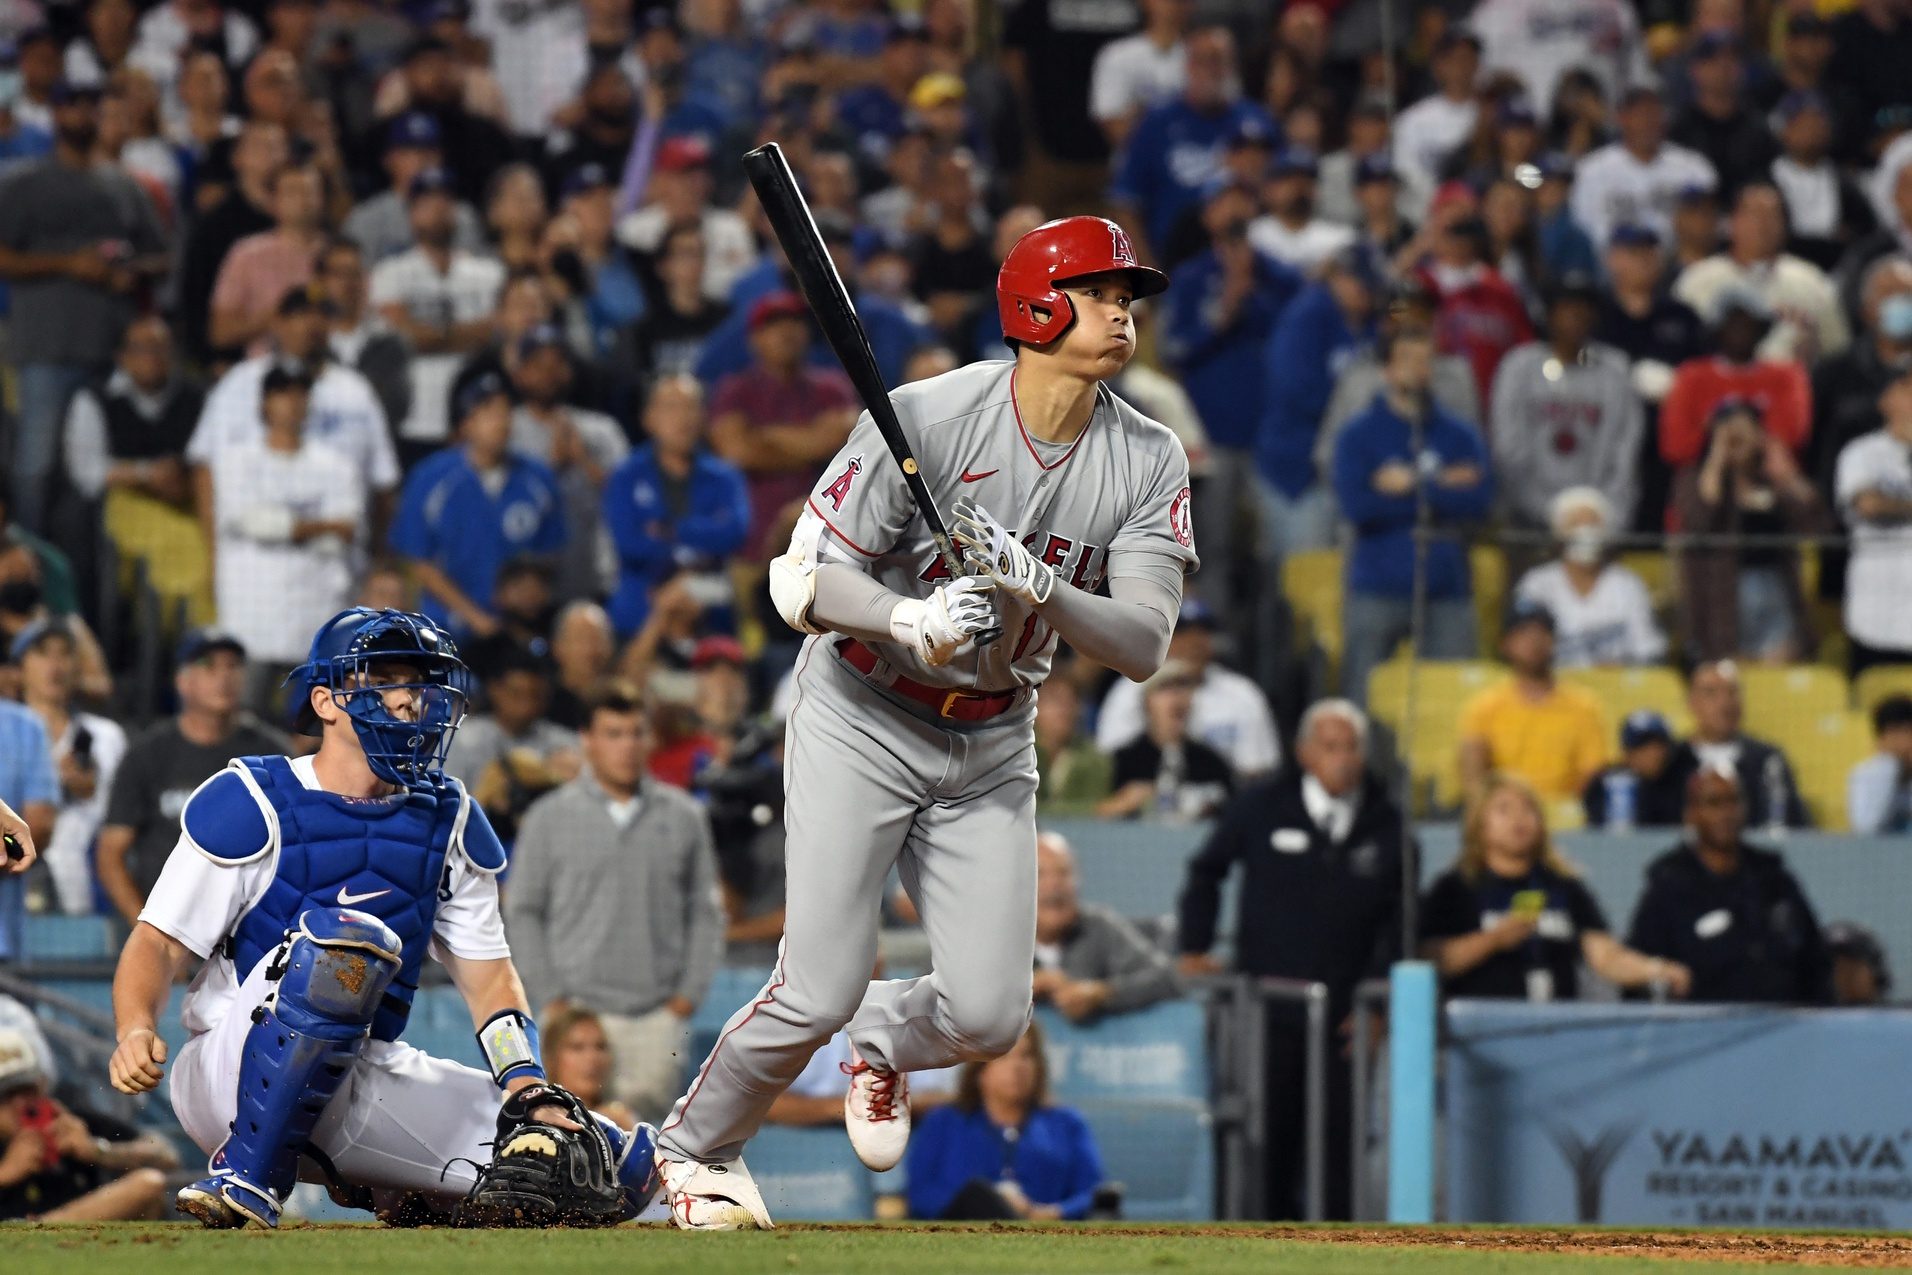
[(463, 306)]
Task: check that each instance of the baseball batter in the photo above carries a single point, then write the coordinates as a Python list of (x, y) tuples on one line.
[(908, 745), (313, 889)]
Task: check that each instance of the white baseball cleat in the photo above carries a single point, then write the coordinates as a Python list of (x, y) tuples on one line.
[(712, 1197), (876, 1113)]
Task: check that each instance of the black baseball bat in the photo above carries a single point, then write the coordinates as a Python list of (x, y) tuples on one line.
[(836, 315)]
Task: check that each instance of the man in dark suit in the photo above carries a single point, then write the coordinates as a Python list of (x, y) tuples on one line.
[(1765, 776), (1320, 847)]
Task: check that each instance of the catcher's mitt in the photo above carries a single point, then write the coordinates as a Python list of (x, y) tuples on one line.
[(542, 1175)]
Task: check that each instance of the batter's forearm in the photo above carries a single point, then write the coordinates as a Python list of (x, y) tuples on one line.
[(1127, 631), (853, 604)]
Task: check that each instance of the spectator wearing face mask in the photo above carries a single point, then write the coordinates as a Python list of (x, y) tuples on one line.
[(1602, 611)]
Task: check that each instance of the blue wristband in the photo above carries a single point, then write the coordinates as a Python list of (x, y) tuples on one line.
[(509, 1040)]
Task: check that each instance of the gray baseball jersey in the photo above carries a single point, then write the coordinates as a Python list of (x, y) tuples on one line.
[(873, 782), (1117, 495)]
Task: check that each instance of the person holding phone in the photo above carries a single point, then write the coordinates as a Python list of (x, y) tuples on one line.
[(1512, 920), (86, 753)]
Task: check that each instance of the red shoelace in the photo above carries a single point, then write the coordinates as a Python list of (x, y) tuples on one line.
[(882, 1090)]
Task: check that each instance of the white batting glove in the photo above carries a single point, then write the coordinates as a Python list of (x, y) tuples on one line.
[(991, 549), (939, 626)]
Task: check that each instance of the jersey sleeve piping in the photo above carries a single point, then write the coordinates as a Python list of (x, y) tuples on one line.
[(812, 505)]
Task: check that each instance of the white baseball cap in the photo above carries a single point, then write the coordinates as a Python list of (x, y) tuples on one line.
[(19, 1061)]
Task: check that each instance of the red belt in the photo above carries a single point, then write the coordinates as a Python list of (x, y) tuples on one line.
[(956, 705)]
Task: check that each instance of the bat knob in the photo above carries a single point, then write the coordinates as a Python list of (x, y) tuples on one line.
[(987, 637)]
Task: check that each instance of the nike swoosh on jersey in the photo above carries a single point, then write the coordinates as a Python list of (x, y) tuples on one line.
[(976, 478), (346, 899)]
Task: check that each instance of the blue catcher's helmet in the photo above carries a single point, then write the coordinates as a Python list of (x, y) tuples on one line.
[(345, 654)]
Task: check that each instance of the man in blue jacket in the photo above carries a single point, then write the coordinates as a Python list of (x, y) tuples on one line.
[(1403, 449), (1324, 328), (1219, 310), (1177, 147), (671, 506)]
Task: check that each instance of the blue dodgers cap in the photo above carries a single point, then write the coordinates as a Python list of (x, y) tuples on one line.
[(542, 336), (1294, 161), (1798, 102), (413, 130), (35, 633), (1516, 110), (1525, 611), (1250, 131), (1644, 726), (1196, 614), (585, 178), (200, 643), (1634, 234), (430, 181), (478, 391), (1377, 167)]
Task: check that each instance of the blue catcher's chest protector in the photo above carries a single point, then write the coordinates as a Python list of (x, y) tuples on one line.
[(385, 856)]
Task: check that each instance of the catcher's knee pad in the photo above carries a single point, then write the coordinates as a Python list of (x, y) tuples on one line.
[(331, 976)]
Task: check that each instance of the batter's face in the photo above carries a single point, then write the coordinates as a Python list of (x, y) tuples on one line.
[(1101, 341)]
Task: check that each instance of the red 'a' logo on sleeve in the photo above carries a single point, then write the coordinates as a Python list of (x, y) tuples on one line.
[(840, 485)]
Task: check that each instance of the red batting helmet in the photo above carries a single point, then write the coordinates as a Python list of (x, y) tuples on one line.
[(1052, 254)]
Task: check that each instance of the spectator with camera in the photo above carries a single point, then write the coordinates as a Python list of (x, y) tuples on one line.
[(1511, 919), (1730, 912), (1745, 599), (61, 1165), (86, 749), (613, 902)]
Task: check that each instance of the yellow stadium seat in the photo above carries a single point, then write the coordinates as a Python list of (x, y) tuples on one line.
[(1779, 699), (1441, 688), (1824, 749), (1877, 683), (1311, 581), (1622, 690), (1489, 567), (1655, 569)]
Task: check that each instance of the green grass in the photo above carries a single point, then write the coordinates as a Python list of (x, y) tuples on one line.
[(873, 1250)]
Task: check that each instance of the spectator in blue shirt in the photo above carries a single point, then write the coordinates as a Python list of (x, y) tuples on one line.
[(875, 113), (1403, 449), (671, 506), (893, 334), (28, 784), (1176, 149), (1327, 325), (1220, 307), (1002, 1150), (603, 275), (470, 508)]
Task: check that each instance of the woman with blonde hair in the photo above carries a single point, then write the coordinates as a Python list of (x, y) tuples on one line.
[(1511, 919), (577, 1056)]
